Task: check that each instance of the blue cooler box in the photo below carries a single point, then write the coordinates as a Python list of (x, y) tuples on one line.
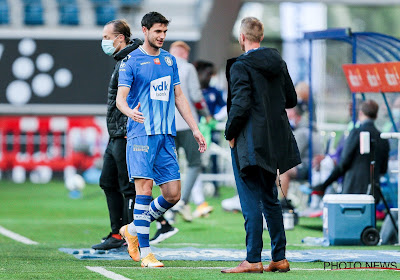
[(345, 216)]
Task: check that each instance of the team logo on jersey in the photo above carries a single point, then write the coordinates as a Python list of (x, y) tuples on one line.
[(126, 58), (122, 65), (168, 60), (157, 61), (159, 88)]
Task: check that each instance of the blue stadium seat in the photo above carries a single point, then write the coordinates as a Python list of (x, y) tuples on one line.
[(34, 14), (69, 14), (4, 12), (105, 13), (29, 2), (66, 2), (130, 3), (100, 2)]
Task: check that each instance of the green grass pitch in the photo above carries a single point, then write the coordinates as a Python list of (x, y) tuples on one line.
[(45, 214)]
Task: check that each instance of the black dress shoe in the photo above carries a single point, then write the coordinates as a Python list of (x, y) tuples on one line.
[(109, 243)]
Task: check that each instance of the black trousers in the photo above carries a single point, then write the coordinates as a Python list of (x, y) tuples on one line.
[(114, 180)]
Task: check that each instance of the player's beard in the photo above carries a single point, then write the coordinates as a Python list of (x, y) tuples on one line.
[(154, 46)]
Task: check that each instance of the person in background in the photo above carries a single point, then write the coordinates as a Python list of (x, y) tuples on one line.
[(355, 167), (184, 136), (301, 133), (303, 100), (215, 103)]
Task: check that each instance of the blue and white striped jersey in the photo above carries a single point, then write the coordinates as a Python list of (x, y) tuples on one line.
[(151, 80)]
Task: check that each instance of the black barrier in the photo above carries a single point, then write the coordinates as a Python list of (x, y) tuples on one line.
[(55, 76), (53, 72)]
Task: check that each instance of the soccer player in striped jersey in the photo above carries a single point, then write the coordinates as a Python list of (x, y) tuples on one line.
[(148, 91)]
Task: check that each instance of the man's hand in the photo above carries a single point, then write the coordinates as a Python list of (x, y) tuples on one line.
[(137, 116), (232, 143), (200, 140)]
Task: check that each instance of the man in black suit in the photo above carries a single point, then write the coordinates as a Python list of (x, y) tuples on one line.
[(354, 166), (261, 142)]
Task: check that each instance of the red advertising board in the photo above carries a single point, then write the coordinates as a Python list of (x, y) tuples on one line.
[(56, 142), (375, 77)]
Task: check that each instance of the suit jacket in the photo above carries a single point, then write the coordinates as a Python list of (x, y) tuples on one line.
[(260, 89), (356, 167)]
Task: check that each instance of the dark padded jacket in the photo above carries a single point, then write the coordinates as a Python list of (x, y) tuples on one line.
[(260, 89), (356, 167), (116, 121)]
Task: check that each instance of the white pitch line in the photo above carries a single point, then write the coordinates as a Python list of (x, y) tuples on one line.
[(16, 236), (202, 244), (203, 268), (174, 267), (107, 273), (219, 268)]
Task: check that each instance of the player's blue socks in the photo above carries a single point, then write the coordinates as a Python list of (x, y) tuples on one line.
[(158, 207), (142, 219), (145, 212)]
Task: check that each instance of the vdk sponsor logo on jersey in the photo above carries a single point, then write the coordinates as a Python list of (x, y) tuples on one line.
[(159, 88)]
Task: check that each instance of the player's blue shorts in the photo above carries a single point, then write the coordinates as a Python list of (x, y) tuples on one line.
[(153, 157)]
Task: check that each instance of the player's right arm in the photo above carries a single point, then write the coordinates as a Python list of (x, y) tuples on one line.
[(125, 81), (123, 106)]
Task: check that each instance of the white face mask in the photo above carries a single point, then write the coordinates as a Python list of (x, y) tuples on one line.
[(108, 46)]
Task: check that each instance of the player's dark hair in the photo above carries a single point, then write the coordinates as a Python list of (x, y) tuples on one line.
[(121, 26), (201, 65), (152, 18)]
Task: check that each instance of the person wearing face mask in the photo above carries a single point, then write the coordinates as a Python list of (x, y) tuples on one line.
[(120, 193)]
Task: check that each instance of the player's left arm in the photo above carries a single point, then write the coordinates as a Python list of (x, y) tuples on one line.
[(183, 107)]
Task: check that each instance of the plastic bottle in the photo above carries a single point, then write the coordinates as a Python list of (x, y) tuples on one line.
[(315, 241)]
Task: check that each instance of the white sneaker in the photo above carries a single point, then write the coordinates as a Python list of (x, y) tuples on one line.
[(232, 204), (184, 210), (186, 213)]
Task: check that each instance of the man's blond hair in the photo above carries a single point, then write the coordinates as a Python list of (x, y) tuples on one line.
[(252, 28), (180, 44)]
